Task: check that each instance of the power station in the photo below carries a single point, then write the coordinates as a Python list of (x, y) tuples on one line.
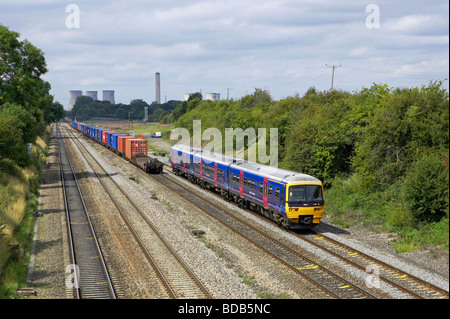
[(209, 96), (92, 94), (73, 94), (108, 95)]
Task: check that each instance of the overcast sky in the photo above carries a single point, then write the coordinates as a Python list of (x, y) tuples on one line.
[(283, 46)]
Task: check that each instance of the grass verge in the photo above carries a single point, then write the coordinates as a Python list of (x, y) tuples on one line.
[(19, 197)]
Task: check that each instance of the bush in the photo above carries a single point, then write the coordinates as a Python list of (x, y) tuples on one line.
[(7, 167), (425, 188)]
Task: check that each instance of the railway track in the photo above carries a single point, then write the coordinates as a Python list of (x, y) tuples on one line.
[(325, 279), (334, 285), (405, 282), (175, 275), (90, 274)]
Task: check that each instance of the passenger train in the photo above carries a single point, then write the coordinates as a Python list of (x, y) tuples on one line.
[(291, 199)]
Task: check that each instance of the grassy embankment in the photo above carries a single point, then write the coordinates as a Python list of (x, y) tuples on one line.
[(19, 196)]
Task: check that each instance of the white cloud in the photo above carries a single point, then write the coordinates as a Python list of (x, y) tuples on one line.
[(418, 24), (281, 45)]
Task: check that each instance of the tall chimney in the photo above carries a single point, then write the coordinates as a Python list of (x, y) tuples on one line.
[(157, 88)]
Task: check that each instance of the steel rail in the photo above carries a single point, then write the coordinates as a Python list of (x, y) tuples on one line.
[(93, 287), (154, 229), (295, 268)]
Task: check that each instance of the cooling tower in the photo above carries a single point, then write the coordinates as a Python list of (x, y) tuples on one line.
[(108, 95), (73, 97), (92, 94), (157, 88), (213, 96)]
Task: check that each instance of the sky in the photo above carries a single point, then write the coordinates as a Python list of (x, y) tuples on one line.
[(232, 47)]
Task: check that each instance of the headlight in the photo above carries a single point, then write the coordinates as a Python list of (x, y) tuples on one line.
[(293, 209)]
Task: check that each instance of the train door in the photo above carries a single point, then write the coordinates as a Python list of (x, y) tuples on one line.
[(266, 193), (215, 174), (241, 183), (201, 168)]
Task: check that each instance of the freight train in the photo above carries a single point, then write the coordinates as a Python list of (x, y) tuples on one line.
[(293, 200), (131, 148)]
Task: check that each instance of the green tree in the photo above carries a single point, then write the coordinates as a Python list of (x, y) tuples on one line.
[(121, 113), (54, 113), (80, 103), (21, 65), (21, 68)]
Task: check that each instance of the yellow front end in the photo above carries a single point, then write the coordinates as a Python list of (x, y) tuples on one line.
[(300, 207)]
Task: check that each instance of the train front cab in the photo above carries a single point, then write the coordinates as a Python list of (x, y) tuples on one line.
[(304, 204)]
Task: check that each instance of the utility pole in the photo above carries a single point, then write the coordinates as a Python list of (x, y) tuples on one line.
[(332, 74), (228, 93), (130, 123)]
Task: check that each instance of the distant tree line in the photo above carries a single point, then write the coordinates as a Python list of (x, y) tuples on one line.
[(85, 107)]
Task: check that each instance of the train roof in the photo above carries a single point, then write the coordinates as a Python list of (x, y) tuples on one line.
[(206, 155), (275, 173)]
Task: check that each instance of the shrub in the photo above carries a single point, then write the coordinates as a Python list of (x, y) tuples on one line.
[(425, 188)]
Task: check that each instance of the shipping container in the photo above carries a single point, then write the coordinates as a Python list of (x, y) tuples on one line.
[(134, 147), (115, 140), (121, 142), (99, 136), (109, 137), (93, 130), (105, 136)]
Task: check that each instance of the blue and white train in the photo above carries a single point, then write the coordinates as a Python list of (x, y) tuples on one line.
[(291, 199)]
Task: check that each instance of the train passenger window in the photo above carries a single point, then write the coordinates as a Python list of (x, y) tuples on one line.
[(277, 193), (261, 187), (253, 184), (270, 191)]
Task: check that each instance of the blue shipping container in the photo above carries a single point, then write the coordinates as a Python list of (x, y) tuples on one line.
[(109, 138), (99, 136), (115, 140)]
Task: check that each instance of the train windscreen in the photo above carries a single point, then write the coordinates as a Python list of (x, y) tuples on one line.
[(305, 194)]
